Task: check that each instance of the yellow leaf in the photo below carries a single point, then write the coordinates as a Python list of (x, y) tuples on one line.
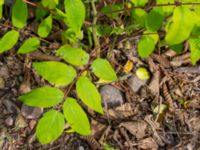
[(128, 66), (101, 81)]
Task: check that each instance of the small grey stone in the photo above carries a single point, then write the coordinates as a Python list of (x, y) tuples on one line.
[(9, 121), (2, 83), (31, 112), (111, 96), (135, 83)]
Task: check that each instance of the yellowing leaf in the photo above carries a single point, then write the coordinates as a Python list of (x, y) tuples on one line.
[(142, 73), (128, 66)]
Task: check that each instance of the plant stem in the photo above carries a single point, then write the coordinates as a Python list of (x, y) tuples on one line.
[(94, 32)]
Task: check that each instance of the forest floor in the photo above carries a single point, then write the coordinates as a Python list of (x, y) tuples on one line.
[(162, 112)]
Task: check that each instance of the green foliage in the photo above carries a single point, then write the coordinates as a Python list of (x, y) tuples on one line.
[(195, 49), (56, 73), (147, 44), (111, 10), (74, 56), (1, 8), (154, 20), (8, 40), (102, 69), (139, 2), (182, 23), (42, 97), (50, 126), (45, 27), (92, 98), (29, 45), (19, 14), (51, 4), (139, 16), (179, 28), (76, 117), (75, 14)]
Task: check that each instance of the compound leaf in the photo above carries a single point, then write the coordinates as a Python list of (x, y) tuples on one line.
[(42, 97), (75, 14), (29, 45), (181, 26), (45, 27), (92, 98), (102, 69), (74, 56), (8, 40), (76, 117), (50, 126), (56, 73), (19, 14)]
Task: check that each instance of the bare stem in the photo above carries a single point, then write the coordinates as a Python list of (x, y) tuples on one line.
[(94, 32)]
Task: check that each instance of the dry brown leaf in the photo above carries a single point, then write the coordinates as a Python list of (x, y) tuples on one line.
[(155, 83), (97, 129), (148, 144), (122, 111), (136, 128)]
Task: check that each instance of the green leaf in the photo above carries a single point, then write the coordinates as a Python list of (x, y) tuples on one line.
[(139, 2), (56, 73), (19, 14), (109, 10), (8, 40), (139, 16), (1, 11), (51, 4), (179, 30), (194, 49), (76, 117), (29, 45), (92, 98), (50, 126), (45, 27), (42, 97), (75, 14), (102, 69), (154, 20), (165, 10), (103, 30), (178, 48), (74, 56), (147, 44), (40, 13)]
